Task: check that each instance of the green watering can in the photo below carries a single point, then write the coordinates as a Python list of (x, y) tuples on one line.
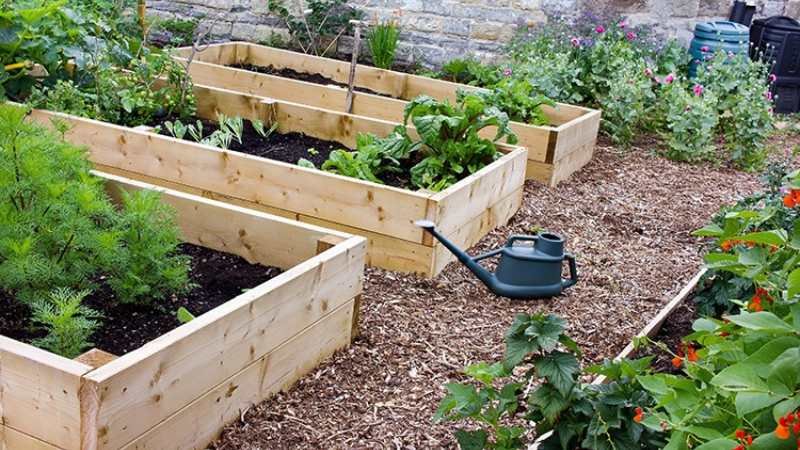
[(524, 271)]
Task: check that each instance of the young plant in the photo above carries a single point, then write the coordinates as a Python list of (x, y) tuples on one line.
[(374, 156), (382, 40), (450, 143), (58, 228), (518, 99), (579, 416), (177, 129), (233, 126), (66, 321), (471, 71), (196, 131), (262, 131)]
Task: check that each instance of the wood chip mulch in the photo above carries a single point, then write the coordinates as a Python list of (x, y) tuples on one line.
[(627, 216)]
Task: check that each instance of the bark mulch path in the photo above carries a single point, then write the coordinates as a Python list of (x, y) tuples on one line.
[(627, 216)]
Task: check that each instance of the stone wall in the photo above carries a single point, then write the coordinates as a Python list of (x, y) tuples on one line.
[(434, 31)]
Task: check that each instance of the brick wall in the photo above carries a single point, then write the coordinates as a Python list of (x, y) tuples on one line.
[(434, 31)]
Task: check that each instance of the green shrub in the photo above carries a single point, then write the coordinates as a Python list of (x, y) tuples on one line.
[(382, 40), (67, 322), (626, 104), (318, 31), (519, 100), (470, 71), (58, 228), (691, 119)]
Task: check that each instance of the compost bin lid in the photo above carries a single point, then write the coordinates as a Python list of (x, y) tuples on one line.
[(722, 30), (781, 23)]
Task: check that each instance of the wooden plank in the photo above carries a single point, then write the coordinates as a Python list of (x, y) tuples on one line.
[(199, 423), (573, 162), (255, 236), (383, 251), (577, 135), (539, 171), (38, 387), (370, 206), (11, 439), (95, 358), (148, 385), (472, 196)]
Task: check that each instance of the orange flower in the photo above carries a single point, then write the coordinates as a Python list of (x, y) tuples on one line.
[(639, 416), (726, 246), (677, 362), (691, 354), (792, 198), (782, 432)]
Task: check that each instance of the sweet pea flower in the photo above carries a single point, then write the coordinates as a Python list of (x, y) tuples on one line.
[(649, 72), (622, 24), (704, 49), (698, 89), (600, 29), (669, 78), (631, 36), (507, 72), (772, 78), (768, 95), (575, 42)]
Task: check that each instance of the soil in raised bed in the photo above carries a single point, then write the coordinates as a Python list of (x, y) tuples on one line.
[(216, 277), (677, 326), (291, 147), (303, 76)]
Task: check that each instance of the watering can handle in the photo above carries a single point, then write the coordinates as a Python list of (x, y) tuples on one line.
[(520, 237), (573, 272)]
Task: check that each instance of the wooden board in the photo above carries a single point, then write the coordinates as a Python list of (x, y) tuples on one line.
[(199, 423), (571, 129), (36, 388), (11, 439), (383, 214)]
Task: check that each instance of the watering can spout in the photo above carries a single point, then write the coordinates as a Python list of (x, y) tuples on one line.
[(484, 275), (525, 271)]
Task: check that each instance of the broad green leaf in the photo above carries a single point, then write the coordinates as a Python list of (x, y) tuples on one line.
[(559, 369), (747, 402), (739, 377), (785, 372), (472, 440), (718, 444), (485, 373), (761, 321), (786, 406), (772, 237), (549, 401), (704, 432), (793, 284), (710, 230), (655, 384)]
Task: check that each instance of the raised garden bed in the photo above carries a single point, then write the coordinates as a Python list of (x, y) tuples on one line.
[(179, 390), (555, 151), (384, 214)]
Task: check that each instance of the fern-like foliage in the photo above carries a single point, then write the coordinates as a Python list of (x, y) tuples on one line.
[(68, 323)]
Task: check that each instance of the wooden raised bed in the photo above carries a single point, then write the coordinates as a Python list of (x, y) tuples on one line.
[(465, 212), (179, 390), (554, 152)]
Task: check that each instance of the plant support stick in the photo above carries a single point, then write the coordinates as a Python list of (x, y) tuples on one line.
[(353, 64)]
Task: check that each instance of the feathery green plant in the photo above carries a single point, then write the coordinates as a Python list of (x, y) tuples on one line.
[(68, 323)]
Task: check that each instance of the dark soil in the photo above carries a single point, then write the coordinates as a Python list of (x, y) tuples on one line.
[(217, 278), (675, 328), (290, 148), (303, 76)]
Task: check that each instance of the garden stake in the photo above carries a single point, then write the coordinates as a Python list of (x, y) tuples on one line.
[(353, 64), (523, 271)]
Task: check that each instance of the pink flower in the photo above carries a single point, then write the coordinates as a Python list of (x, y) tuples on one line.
[(698, 89), (575, 42), (631, 36), (704, 49), (772, 77), (649, 72), (600, 29), (657, 80), (622, 24), (507, 72), (768, 95), (669, 78)]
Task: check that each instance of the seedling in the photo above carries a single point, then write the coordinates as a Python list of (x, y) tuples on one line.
[(261, 130), (184, 316)]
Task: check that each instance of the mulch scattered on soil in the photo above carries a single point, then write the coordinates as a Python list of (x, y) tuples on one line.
[(218, 277), (627, 217)]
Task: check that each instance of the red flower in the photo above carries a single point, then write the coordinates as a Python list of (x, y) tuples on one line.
[(677, 362), (639, 416), (691, 354), (740, 434), (782, 432)]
